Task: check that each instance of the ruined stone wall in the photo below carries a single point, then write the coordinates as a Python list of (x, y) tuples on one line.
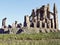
[(41, 18)]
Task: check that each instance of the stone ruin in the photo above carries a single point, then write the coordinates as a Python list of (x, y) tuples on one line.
[(42, 19), (10, 29), (4, 22)]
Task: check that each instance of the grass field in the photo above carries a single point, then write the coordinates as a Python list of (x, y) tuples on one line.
[(52, 38), (31, 42)]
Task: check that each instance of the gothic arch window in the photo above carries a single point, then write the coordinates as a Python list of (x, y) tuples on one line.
[(32, 25), (43, 25), (38, 24), (25, 24)]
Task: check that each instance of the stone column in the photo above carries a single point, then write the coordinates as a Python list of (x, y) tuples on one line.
[(53, 23), (35, 21), (40, 24), (45, 25), (55, 17), (15, 23), (4, 22), (35, 24), (33, 14), (45, 12), (50, 25), (27, 21), (39, 17), (48, 9)]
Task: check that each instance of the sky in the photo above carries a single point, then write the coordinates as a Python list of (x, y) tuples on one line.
[(16, 9)]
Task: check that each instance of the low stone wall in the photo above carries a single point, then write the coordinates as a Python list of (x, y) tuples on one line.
[(38, 30)]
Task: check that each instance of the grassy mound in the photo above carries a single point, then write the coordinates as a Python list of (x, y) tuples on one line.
[(40, 36), (52, 38)]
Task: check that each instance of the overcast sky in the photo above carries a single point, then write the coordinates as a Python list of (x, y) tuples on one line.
[(17, 9)]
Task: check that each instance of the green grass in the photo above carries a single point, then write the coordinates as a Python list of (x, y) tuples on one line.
[(30, 42), (40, 36), (52, 38)]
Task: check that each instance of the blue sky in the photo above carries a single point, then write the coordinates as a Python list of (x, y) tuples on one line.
[(17, 9)]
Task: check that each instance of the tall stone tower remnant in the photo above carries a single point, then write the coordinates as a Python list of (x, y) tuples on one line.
[(4, 22), (55, 17)]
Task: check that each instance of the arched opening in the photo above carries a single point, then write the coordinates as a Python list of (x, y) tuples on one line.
[(32, 25), (25, 24), (38, 24), (43, 25)]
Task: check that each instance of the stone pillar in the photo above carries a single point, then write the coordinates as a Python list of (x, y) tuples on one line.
[(45, 25), (4, 23), (50, 25), (55, 17), (35, 21), (26, 21), (15, 23), (33, 14), (45, 12), (39, 17), (53, 23), (40, 24), (35, 24), (38, 14), (48, 13)]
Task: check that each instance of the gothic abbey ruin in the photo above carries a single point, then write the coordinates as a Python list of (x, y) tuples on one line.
[(40, 20), (43, 19)]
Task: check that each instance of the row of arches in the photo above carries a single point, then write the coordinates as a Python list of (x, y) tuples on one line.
[(37, 24)]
